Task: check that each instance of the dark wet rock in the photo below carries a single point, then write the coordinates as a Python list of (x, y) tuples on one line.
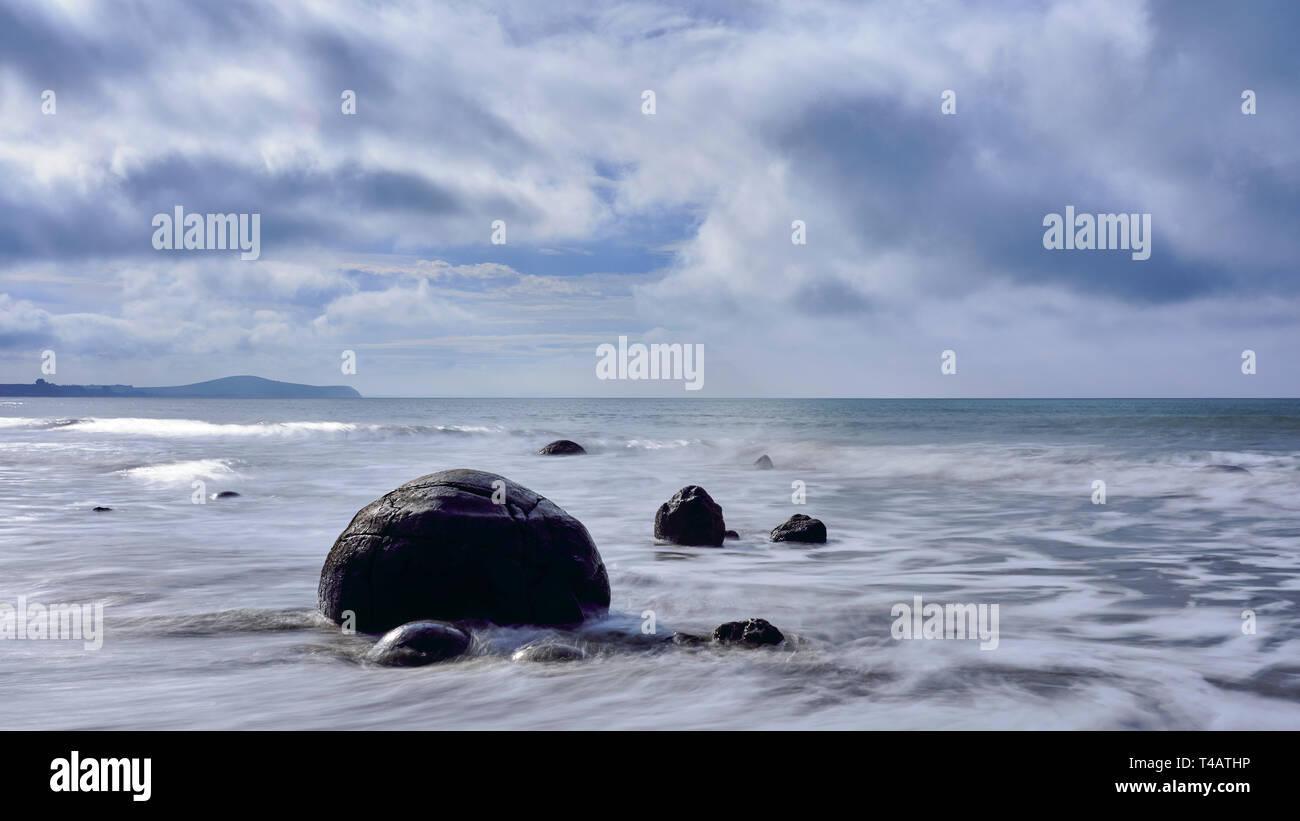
[(731, 534), (100, 509), (419, 642), (563, 447), (690, 517), (763, 462), (1227, 468), (750, 632), (688, 639), (226, 494), (439, 547), (800, 528), (547, 651)]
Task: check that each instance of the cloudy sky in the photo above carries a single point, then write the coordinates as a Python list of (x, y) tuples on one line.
[(924, 230)]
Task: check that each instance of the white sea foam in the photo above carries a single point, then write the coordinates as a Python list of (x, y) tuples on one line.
[(181, 428), (180, 472), (184, 428)]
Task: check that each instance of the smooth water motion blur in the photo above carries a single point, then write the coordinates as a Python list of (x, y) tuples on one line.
[(1127, 614)]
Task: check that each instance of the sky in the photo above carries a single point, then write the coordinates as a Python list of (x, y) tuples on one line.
[(923, 229)]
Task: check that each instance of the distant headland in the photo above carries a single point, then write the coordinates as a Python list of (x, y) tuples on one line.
[(230, 387)]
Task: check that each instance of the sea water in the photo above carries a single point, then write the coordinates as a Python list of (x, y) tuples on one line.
[(1172, 605)]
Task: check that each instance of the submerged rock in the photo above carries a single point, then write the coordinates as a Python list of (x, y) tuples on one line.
[(419, 642), (440, 547), (763, 462), (1227, 468), (562, 447), (687, 639), (100, 509), (731, 534), (753, 632), (800, 528), (547, 651), (690, 517), (226, 494)]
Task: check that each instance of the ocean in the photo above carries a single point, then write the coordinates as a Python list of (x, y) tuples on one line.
[(1173, 605)]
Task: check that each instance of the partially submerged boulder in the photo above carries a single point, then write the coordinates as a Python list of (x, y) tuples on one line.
[(441, 547), (690, 517), (562, 447), (419, 642), (763, 462), (547, 651), (800, 528), (751, 632)]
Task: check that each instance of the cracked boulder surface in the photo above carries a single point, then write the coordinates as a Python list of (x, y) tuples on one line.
[(463, 545)]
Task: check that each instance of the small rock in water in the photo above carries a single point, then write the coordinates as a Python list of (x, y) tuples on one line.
[(688, 639), (225, 494), (1227, 468), (753, 632), (763, 462), (100, 509), (800, 528), (731, 534), (562, 447), (547, 652), (419, 642), (690, 517)]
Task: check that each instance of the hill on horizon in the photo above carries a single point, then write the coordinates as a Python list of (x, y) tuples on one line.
[(229, 387), (254, 387)]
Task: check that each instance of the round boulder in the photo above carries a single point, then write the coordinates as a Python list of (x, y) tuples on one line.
[(752, 632), (546, 652), (690, 517), (463, 545), (419, 642), (800, 528), (562, 447)]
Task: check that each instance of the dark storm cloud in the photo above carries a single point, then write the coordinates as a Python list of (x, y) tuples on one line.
[(767, 112), (912, 181)]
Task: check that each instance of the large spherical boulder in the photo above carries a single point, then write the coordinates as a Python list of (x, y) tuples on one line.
[(690, 517), (463, 545), (562, 447), (418, 643), (800, 528)]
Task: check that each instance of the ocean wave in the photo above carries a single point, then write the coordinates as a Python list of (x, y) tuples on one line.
[(171, 473), (660, 444), (187, 428)]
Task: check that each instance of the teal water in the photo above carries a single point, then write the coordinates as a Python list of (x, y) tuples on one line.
[(1126, 614)]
